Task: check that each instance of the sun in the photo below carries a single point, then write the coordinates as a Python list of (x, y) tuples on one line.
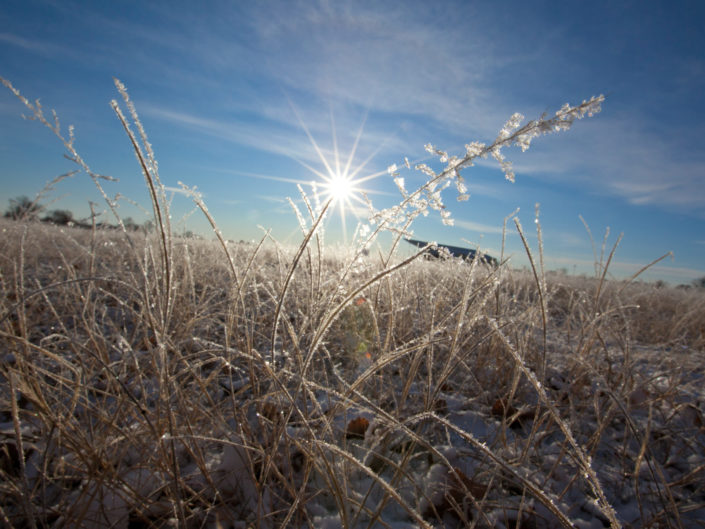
[(339, 187), (342, 190), (343, 187), (341, 181)]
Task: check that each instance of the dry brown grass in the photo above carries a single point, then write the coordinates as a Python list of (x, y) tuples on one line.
[(111, 410)]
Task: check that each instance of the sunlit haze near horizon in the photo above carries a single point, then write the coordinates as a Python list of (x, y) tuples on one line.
[(245, 100)]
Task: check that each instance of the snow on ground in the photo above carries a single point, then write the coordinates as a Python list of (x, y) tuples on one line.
[(443, 476)]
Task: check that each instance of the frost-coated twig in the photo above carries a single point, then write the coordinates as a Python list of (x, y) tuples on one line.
[(582, 458), (429, 194)]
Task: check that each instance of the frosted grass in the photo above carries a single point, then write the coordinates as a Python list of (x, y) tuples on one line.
[(151, 380)]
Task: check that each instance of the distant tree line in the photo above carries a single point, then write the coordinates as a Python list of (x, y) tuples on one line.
[(24, 209)]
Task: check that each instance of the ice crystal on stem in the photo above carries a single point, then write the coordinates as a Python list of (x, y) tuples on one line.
[(509, 127)]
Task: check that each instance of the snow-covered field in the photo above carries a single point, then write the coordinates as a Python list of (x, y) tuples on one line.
[(441, 394)]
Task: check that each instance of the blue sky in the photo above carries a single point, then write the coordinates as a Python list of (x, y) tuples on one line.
[(228, 90)]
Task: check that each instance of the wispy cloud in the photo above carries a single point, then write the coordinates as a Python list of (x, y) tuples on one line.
[(566, 239), (385, 59), (394, 61), (272, 199), (621, 157), (33, 45), (48, 46), (478, 227), (261, 137)]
